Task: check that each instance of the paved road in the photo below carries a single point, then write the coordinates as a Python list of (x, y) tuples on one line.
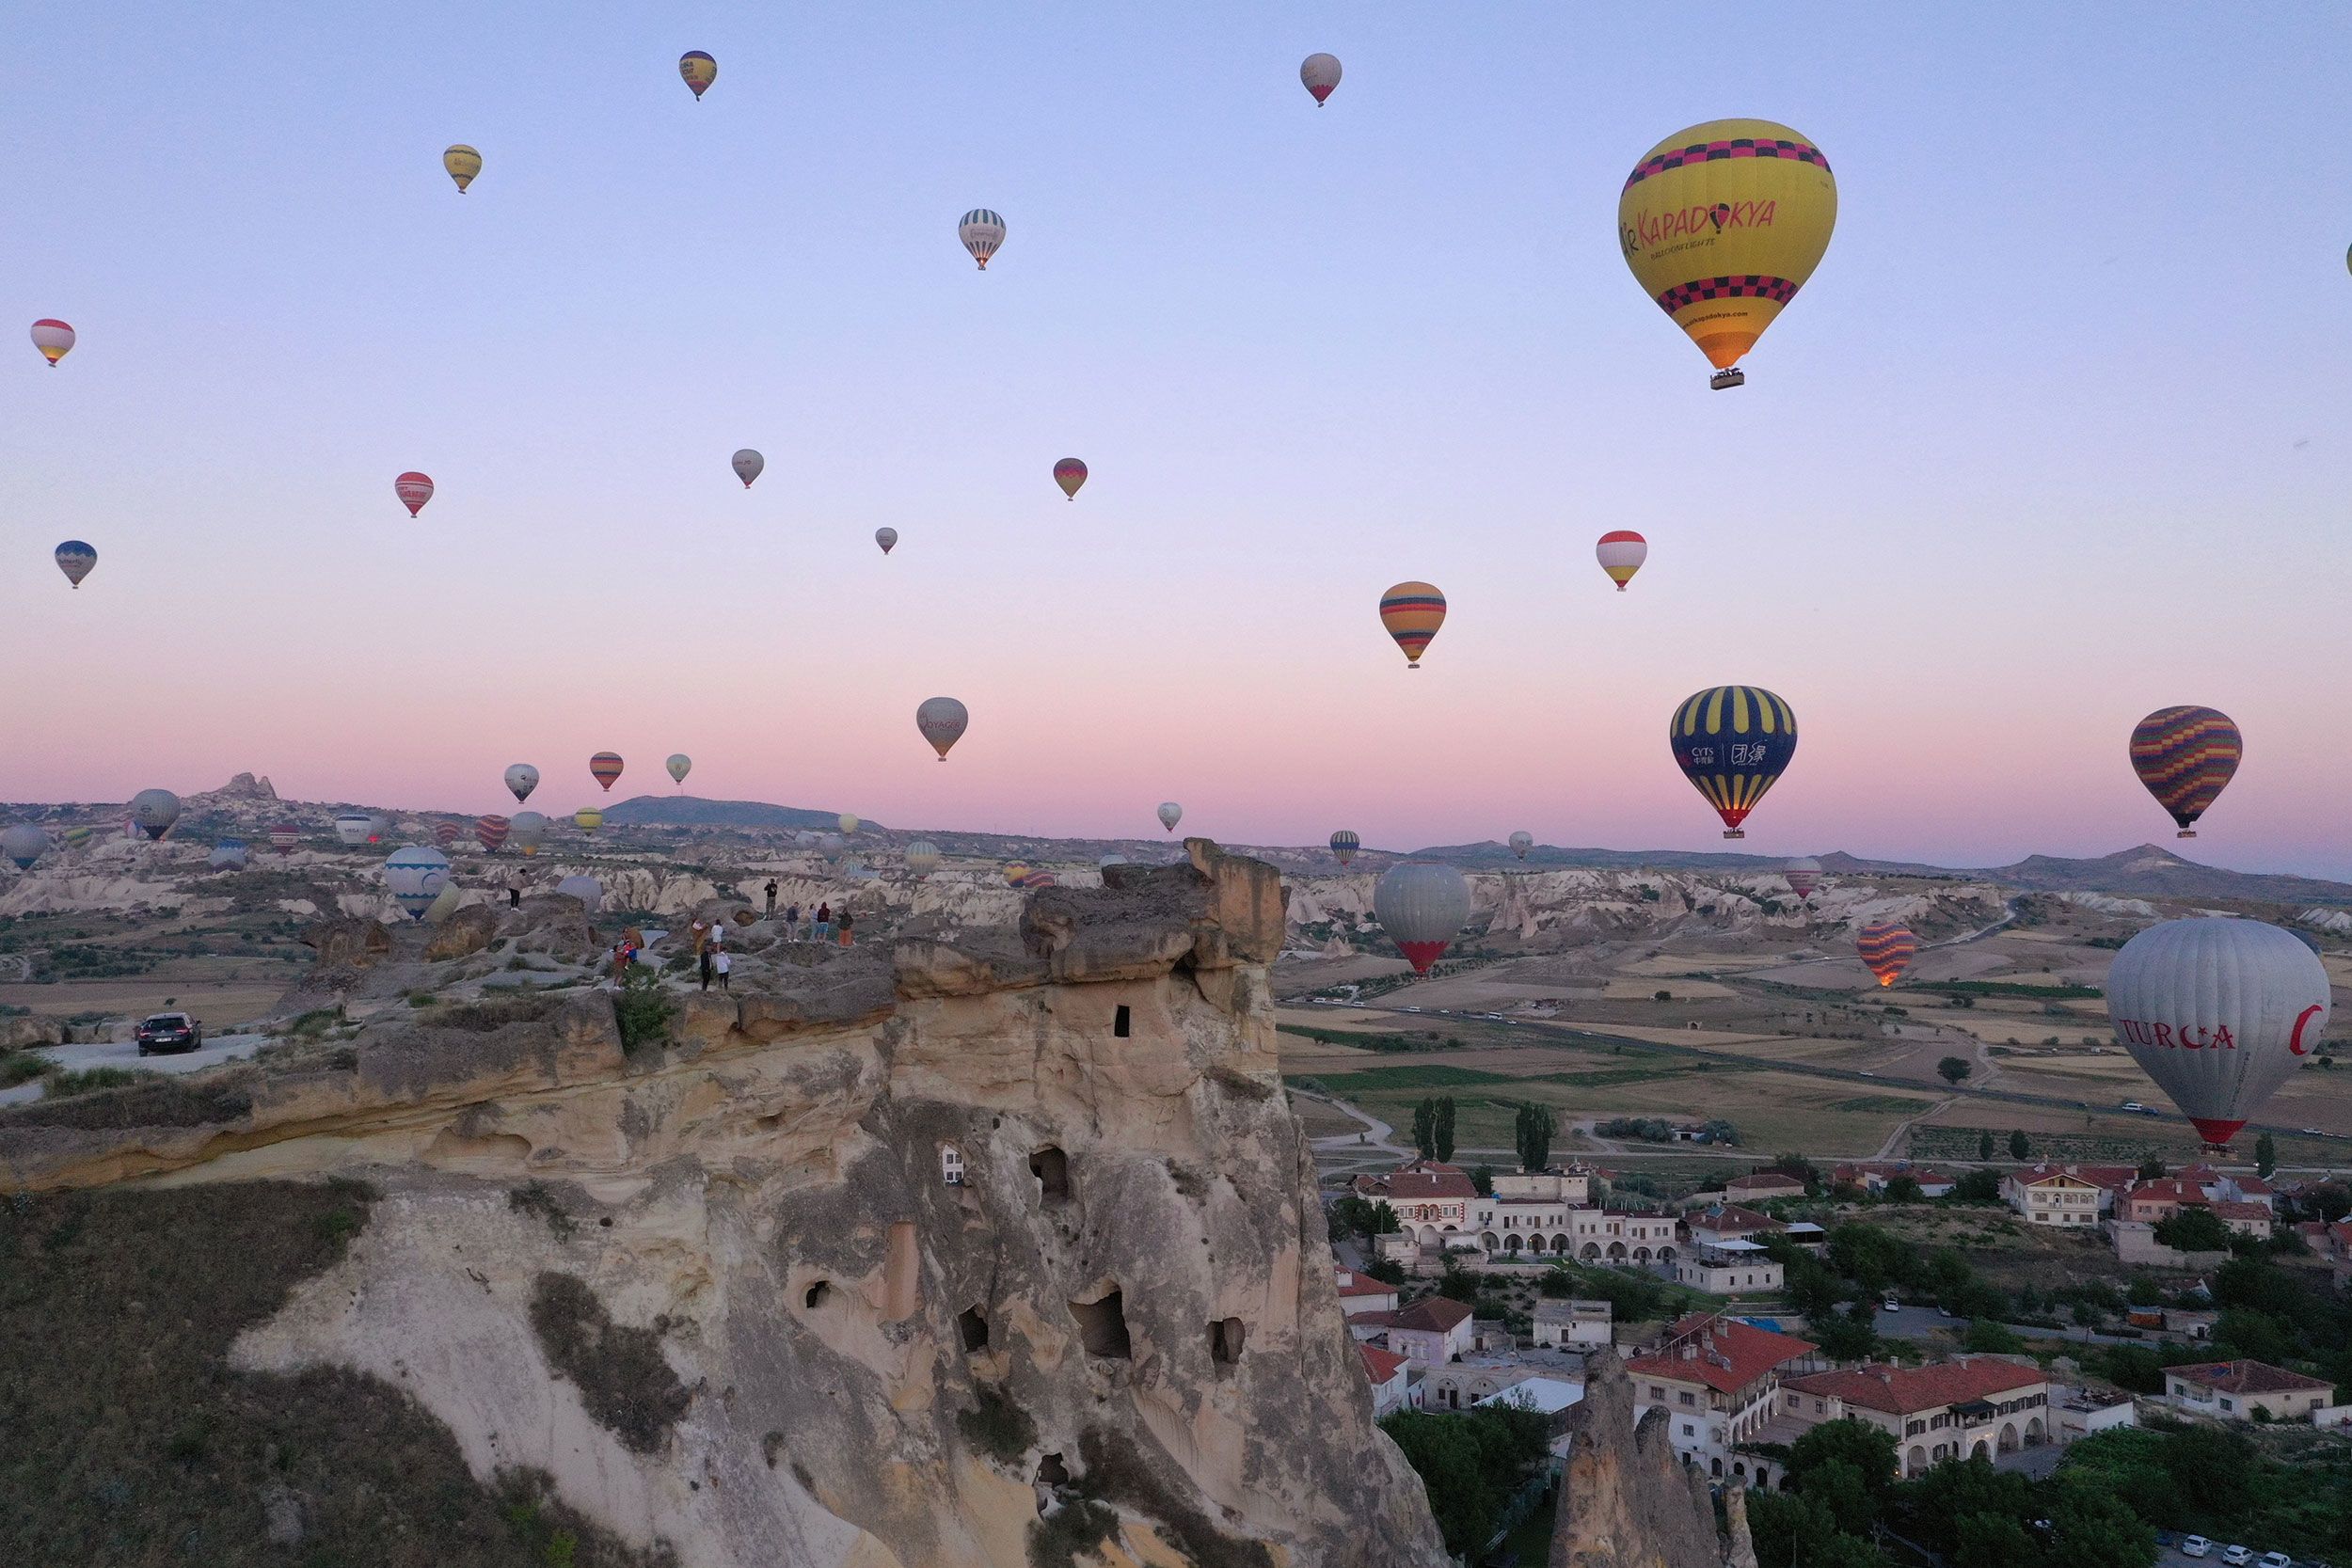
[(80, 1058)]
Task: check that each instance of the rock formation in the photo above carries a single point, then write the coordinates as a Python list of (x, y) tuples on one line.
[(937, 1253), (1636, 1505)]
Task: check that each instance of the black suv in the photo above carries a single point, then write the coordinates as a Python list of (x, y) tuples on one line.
[(169, 1032)]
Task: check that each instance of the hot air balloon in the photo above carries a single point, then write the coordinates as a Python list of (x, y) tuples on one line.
[(23, 844), (1070, 473), (887, 538), (1804, 875), (832, 847), (54, 339), (1421, 903), (1114, 858), (605, 768), (1170, 814), (76, 559), (414, 489), (1412, 612), (1621, 552), (678, 765), (1343, 847), (227, 855), (463, 163), (942, 720), (76, 837), (1722, 225), (1320, 74), (415, 875), (1521, 842), (522, 778), (982, 232), (1016, 873), (154, 810), (527, 828), (1887, 948), (445, 834), (922, 856), (848, 821), (1731, 742), (284, 836), (491, 833), (699, 69), (587, 819), (747, 464), (352, 828), (2184, 755), (586, 889), (378, 830), (2219, 1013)]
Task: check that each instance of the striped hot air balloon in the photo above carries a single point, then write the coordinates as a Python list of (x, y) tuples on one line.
[(1343, 846), (76, 559), (284, 836), (414, 489), (1070, 473), (490, 833), (1319, 73), (2184, 755), (1732, 742), (1412, 612), (1621, 552), (54, 339), (1804, 875), (982, 232), (587, 819), (445, 834), (1422, 905), (1887, 948), (605, 768), (699, 69)]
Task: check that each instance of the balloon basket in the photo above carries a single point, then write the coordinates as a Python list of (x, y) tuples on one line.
[(2185, 832), (1735, 832), (1724, 380)]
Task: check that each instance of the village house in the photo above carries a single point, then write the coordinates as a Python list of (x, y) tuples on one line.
[(1386, 1371), (2235, 1390), (1728, 1268), (2246, 1189), (1431, 1332), (1763, 1186), (2334, 1244), (1571, 1186), (1360, 1293), (1459, 1384), (1871, 1176), (2246, 1219), (1552, 1398), (1717, 1379), (2078, 1413), (1944, 1410), (1725, 1222), (2151, 1201), (1508, 1229), (1577, 1326), (2052, 1197), (1431, 1201)]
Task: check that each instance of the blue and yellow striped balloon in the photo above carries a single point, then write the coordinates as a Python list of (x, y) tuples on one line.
[(1411, 613), (1343, 846), (1732, 742), (2184, 755)]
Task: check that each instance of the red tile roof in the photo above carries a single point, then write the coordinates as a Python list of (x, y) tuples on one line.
[(2242, 1211), (2251, 1186), (1432, 1315), (1725, 1354), (1422, 1179), (2248, 1377), (1908, 1390), (1765, 1181), (1731, 1216), (1361, 1285), (1379, 1365), (2113, 1178), (2169, 1189)]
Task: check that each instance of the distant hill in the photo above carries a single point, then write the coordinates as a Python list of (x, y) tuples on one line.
[(693, 811)]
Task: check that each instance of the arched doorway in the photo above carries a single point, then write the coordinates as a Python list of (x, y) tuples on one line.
[(1979, 1451), (1560, 1245), (1591, 1252), (2033, 1431), (1487, 1240), (1915, 1460), (1641, 1255), (2008, 1437), (1665, 1254), (1511, 1244), (1616, 1252)]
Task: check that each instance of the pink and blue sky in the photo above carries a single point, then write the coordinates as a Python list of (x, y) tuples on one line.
[(2055, 436)]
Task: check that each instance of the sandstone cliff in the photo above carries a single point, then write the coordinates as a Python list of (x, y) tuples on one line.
[(1635, 1504), (968, 1251)]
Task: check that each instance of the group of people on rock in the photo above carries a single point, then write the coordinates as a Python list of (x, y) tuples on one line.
[(712, 962)]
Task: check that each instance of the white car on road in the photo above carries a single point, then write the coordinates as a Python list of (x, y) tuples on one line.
[(2237, 1556), (2195, 1545)]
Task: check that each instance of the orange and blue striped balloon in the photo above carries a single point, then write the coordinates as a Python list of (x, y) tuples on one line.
[(1412, 612), (2184, 755), (1887, 948), (605, 768), (1732, 742)]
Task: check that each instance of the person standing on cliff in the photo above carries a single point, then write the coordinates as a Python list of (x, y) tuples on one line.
[(703, 960), (847, 916), (792, 922), (823, 930), (722, 964), (772, 899)]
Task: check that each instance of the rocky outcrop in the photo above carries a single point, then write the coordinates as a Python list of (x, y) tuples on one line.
[(927, 1230), (1636, 1505)]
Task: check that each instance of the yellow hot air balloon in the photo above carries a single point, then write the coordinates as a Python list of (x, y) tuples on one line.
[(463, 163), (1722, 225)]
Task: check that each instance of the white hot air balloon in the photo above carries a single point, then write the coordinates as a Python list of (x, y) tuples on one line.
[(832, 847), (1319, 73), (1170, 814), (351, 828), (846, 822), (1804, 875), (982, 232), (1422, 905), (378, 830), (679, 766), (23, 844), (414, 875), (227, 855), (525, 831), (154, 810), (942, 722), (922, 856), (887, 538), (586, 889), (522, 778), (747, 464), (1521, 842), (2219, 1013), (1114, 858)]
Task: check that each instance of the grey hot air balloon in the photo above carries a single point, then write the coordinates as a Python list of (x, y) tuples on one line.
[(943, 722), (1114, 858), (2219, 1013), (351, 828), (832, 847), (1319, 73), (154, 810), (922, 856), (414, 875), (747, 466), (887, 538), (1804, 873), (75, 558), (1343, 846), (227, 855), (23, 844), (1422, 905), (1170, 814), (525, 831), (522, 778), (1521, 842), (982, 232), (846, 821), (679, 766)]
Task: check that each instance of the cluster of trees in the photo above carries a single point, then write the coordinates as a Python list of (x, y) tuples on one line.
[(1433, 1127), (2218, 1483), (1658, 1130), (1532, 1135), (1472, 1462), (1843, 1496)]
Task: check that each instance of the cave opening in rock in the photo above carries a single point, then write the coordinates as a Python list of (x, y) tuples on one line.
[(1051, 1471), (1051, 1168), (1225, 1338), (1103, 1327), (816, 1296), (1119, 1022), (972, 1324)]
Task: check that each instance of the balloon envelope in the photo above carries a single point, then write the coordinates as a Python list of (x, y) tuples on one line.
[(1887, 948), (587, 819), (832, 847), (463, 163), (747, 464), (1320, 73), (1422, 905), (1621, 553), (922, 856), (699, 69), (54, 339), (1412, 612), (887, 538), (605, 768), (1521, 842), (2219, 1012), (1723, 224), (1804, 875), (75, 558), (1016, 872), (679, 766), (415, 874), (846, 821), (414, 489), (154, 810), (527, 828), (1343, 846), (1070, 473), (378, 830), (284, 836), (1732, 742), (982, 232), (23, 844), (2185, 756), (445, 834), (522, 778), (227, 855), (942, 722), (1170, 814), (352, 828), (491, 833)]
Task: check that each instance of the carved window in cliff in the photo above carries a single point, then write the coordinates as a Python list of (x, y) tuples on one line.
[(972, 1324), (1119, 1022), (817, 1295), (1103, 1327), (951, 1164), (1224, 1339), (1051, 1168)]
